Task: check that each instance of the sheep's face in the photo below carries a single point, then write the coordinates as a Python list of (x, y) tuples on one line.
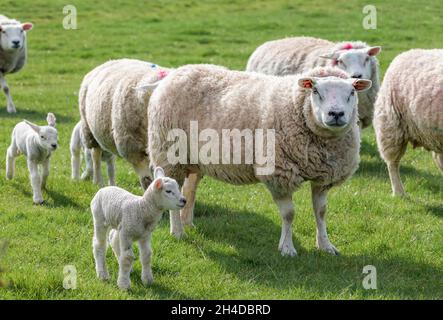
[(168, 192), (356, 62), (47, 135), (12, 36), (334, 100)]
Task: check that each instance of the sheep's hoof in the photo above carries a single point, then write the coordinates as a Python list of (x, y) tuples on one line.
[(147, 280), (179, 234), (124, 285), (39, 202), (288, 251), (330, 249), (11, 109), (103, 275)]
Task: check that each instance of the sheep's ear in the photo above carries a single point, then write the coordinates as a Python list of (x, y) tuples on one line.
[(159, 173), (158, 184), (27, 26), (373, 51), (362, 84), (147, 87), (51, 119), (33, 126), (306, 83)]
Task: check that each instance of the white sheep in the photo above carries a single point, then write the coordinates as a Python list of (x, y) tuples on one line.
[(314, 116), (37, 144), (77, 147), (13, 52), (113, 100), (300, 54), (409, 108), (131, 218)]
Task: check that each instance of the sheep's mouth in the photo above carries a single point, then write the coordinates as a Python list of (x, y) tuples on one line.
[(336, 124), (181, 206)]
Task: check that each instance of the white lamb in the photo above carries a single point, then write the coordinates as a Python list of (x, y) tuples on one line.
[(131, 218), (314, 116), (409, 109), (37, 144), (77, 147), (13, 52), (300, 54)]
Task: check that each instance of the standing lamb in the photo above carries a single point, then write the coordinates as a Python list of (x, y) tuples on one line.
[(131, 218), (314, 116), (409, 108), (113, 100), (13, 52), (77, 146), (37, 144), (300, 54)]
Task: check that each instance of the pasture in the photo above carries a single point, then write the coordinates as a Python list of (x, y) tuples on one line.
[(232, 253)]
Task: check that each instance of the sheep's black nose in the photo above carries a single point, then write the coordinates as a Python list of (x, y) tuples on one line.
[(16, 42), (357, 76), (336, 115), (183, 200), (54, 146)]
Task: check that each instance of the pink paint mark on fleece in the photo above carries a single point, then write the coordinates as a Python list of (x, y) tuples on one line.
[(347, 46), (161, 74)]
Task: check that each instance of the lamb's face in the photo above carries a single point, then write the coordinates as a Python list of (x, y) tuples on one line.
[(12, 37), (169, 195), (334, 100), (48, 137)]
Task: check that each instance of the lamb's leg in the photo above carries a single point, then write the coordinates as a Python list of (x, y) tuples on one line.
[(36, 182), (10, 106), (111, 170), (99, 248), (89, 170), (114, 242), (45, 173), (189, 190), (11, 153), (125, 261), (286, 209), (96, 165), (143, 172), (319, 202), (75, 164), (438, 159), (145, 257)]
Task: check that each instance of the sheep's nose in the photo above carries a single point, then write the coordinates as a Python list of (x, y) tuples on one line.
[(357, 76), (16, 42), (54, 146), (183, 200), (336, 115)]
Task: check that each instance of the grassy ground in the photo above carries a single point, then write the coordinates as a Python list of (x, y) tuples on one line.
[(233, 251)]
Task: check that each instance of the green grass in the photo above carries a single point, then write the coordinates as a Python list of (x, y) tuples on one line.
[(233, 251)]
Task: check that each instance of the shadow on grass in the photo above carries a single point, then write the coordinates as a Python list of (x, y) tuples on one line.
[(60, 200), (36, 116), (255, 239)]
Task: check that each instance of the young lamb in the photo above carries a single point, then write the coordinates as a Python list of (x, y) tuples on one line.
[(37, 144), (13, 52), (409, 108), (77, 146), (300, 54), (314, 116), (131, 218), (113, 100)]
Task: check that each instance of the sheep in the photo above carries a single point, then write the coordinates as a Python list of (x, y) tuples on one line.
[(131, 218), (113, 99), (409, 109), (13, 52), (37, 144), (77, 146), (300, 54), (317, 137)]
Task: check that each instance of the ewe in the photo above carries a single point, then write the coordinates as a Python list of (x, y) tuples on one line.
[(37, 144), (300, 54), (13, 52), (131, 218), (314, 116)]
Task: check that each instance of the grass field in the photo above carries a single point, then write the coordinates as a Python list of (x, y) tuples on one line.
[(233, 251)]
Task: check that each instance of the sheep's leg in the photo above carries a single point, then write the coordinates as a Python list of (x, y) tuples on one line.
[(286, 209), (114, 242), (125, 261), (11, 153), (36, 182), (394, 175), (176, 226), (189, 190), (75, 164), (10, 106), (111, 170), (143, 172), (45, 173), (438, 159), (89, 170), (145, 257), (319, 203), (96, 166), (99, 249)]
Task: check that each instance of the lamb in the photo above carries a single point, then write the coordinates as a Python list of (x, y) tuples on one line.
[(113, 99), (409, 108), (13, 52), (77, 146), (300, 54), (314, 116), (131, 218), (37, 144)]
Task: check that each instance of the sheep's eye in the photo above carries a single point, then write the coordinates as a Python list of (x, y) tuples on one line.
[(42, 137), (168, 191), (352, 92), (315, 91)]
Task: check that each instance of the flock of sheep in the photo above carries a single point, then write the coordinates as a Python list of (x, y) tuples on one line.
[(316, 95)]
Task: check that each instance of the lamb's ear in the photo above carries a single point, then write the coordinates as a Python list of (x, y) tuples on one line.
[(148, 87), (373, 51), (33, 126), (159, 173), (306, 83), (362, 84), (51, 119), (27, 26), (158, 184)]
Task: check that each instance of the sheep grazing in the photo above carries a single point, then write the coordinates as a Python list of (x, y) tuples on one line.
[(113, 99), (314, 116), (409, 108), (77, 147), (300, 54), (13, 52), (37, 144), (131, 218)]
